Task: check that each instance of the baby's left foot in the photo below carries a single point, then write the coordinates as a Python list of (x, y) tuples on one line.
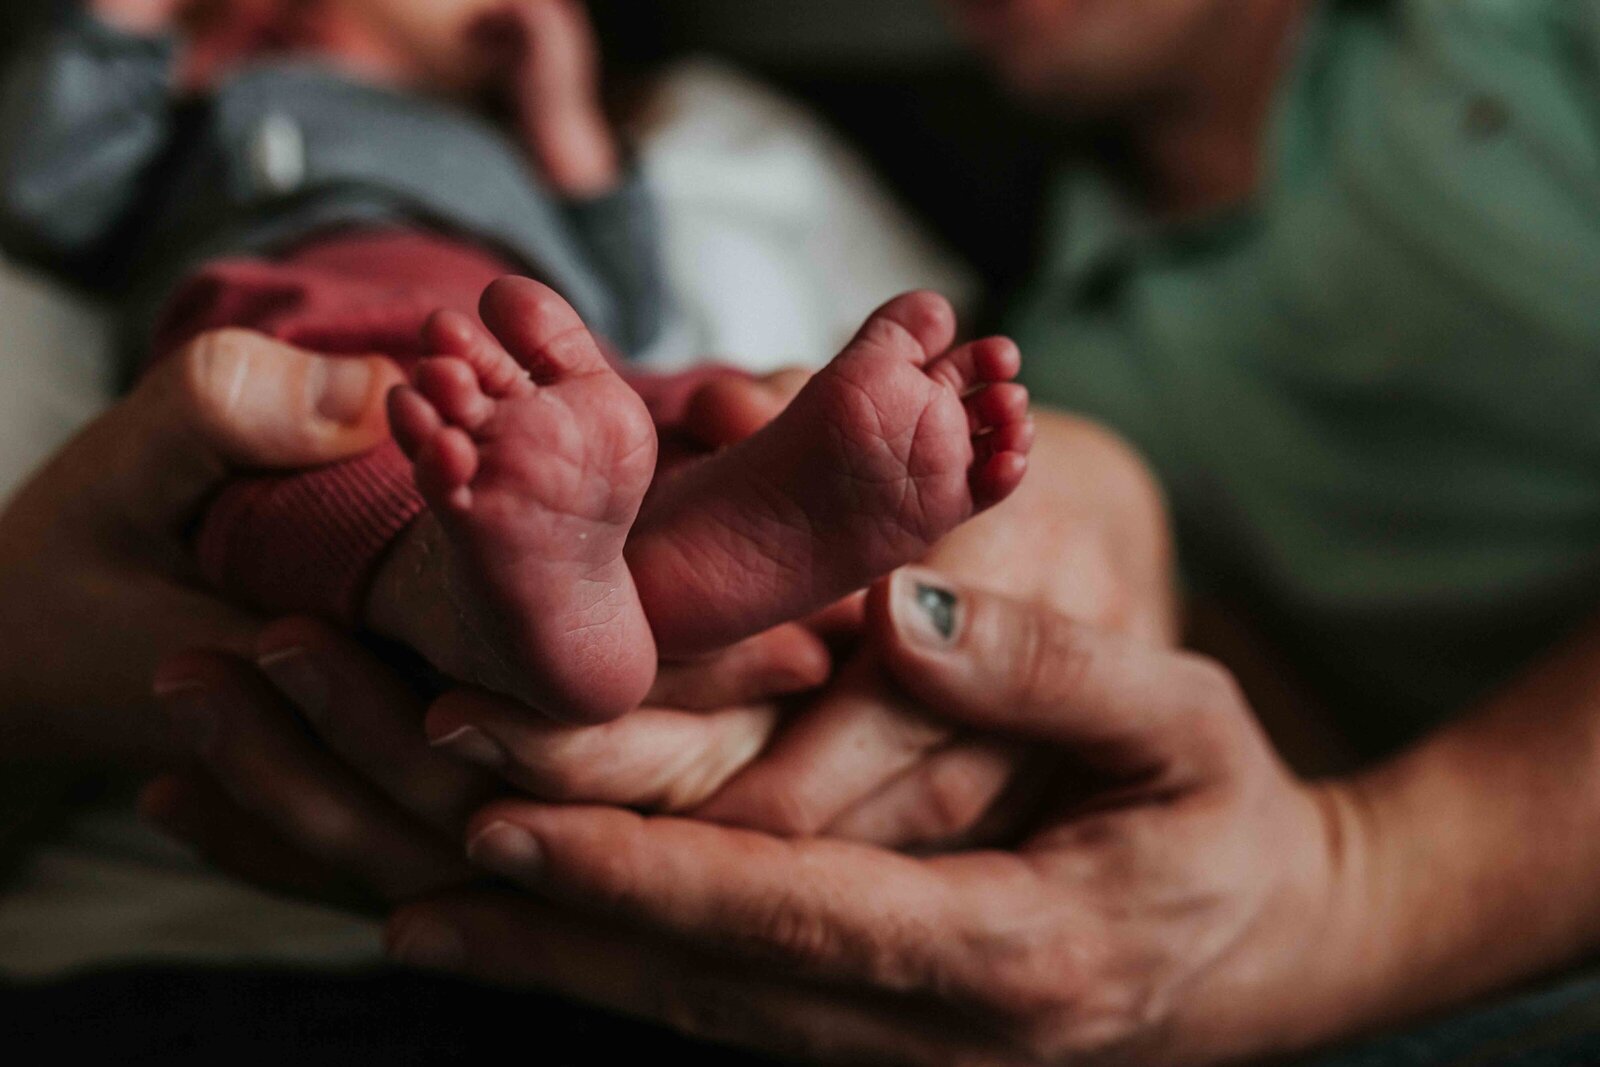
[(534, 456)]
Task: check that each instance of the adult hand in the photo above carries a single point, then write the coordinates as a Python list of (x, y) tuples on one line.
[(1182, 899), (310, 773), (862, 761), (97, 583)]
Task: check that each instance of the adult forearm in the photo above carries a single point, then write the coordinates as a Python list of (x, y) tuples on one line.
[(1479, 850)]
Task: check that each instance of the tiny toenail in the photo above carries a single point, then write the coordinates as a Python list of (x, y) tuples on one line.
[(473, 746), (506, 849), (294, 675), (343, 389), (925, 612)]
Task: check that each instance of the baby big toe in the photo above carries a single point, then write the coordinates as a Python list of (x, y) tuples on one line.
[(540, 330), (925, 317)]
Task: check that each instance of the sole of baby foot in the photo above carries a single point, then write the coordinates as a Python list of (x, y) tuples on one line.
[(891, 446), (534, 456)]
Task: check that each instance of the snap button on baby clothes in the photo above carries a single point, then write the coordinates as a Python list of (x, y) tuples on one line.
[(278, 154)]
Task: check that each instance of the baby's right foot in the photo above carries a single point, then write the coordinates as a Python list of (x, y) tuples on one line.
[(891, 446), (534, 456)]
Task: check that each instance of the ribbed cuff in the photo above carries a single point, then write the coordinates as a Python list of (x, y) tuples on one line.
[(310, 540)]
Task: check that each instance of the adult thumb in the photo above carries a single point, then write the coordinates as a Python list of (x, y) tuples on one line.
[(1017, 669), (237, 400)]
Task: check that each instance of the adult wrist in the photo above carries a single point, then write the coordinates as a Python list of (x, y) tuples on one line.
[(1317, 963)]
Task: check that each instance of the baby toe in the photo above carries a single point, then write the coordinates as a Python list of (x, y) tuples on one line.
[(451, 333), (995, 406), (452, 386), (412, 419), (445, 468)]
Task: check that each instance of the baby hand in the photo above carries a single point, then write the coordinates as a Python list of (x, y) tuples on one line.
[(549, 68), (145, 17)]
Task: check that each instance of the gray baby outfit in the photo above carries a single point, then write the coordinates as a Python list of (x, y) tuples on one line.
[(112, 181)]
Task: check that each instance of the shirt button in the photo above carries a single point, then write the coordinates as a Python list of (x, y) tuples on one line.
[(278, 154)]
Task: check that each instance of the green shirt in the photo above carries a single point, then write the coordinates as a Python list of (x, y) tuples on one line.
[(1373, 392)]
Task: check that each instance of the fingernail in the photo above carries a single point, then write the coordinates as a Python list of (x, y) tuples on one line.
[(506, 849), (429, 945), (343, 389), (294, 674), (189, 708), (473, 746), (925, 612)]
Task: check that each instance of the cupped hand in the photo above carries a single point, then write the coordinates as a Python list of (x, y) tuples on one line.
[(1181, 899), (861, 760), (309, 771), (97, 583)]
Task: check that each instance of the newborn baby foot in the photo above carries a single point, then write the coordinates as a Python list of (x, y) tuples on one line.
[(890, 447), (534, 456)]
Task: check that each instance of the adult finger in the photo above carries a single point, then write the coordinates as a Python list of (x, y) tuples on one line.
[(512, 940), (658, 759), (237, 399), (371, 719), (199, 813), (967, 793), (249, 740), (1023, 670), (786, 660), (823, 909), (862, 733)]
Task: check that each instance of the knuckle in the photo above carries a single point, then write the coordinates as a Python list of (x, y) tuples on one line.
[(1215, 687), (1029, 988), (1028, 978), (956, 796), (785, 812), (1216, 714), (1052, 657), (796, 934), (551, 776)]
